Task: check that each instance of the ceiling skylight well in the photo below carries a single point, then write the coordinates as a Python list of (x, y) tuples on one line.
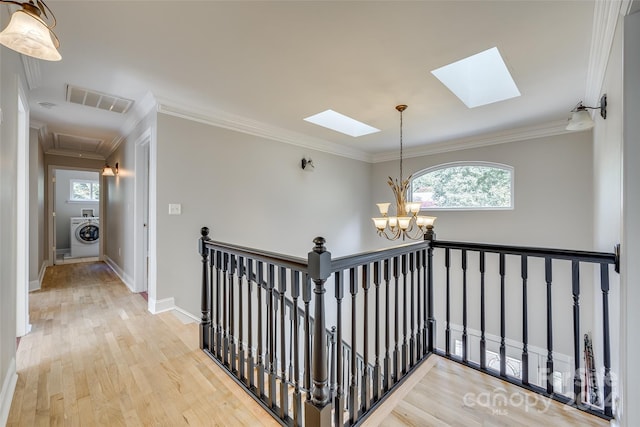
[(480, 79), (341, 123)]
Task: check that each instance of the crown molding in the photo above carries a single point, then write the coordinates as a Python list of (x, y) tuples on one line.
[(554, 128), (251, 127), (605, 20), (65, 153)]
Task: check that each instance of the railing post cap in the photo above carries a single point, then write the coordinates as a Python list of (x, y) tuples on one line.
[(319, 260), (320, 247), (204, 231)]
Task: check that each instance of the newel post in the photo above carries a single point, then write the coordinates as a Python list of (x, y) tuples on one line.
[(205, 323), (430, 236), (318, 408)]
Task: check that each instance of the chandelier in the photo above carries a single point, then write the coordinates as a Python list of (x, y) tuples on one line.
[(406, 223), (30, 30)]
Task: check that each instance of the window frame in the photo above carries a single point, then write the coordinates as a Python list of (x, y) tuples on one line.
[(91, 182), (494, 165)]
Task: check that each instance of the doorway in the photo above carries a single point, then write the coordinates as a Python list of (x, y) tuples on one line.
[(74, 232)]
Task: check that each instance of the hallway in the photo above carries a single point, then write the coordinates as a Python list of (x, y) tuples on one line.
[(96, 356)]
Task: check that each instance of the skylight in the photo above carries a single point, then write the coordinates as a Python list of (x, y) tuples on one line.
[(341, 123), (480, 79)]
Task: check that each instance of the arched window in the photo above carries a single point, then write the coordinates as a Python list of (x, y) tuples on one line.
[(464, 185)]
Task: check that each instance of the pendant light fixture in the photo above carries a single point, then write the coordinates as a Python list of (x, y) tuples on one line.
[(28, 32), (406, 223)]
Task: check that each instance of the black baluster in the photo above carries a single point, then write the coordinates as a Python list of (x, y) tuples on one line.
[(339, 397), (503, 316), (483, 340), (284, 394), (306, 299), (353, 389), (397, 367), (271, 337), (260, 348), (465, 343), (447, 328), (405, 345), (377, 383), (604, 286), (250, 360), (212, 302), (225, 312), (232, 318), (575, 288), (412, 303), (548, 279), (525, 322), (387, 379), (241, 360), (219, 301), (205, 322), (419, 347), (297, 397), (366, 377)]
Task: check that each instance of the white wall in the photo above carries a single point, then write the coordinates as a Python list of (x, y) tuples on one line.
[(252, 192), (10, 77), (65, 208), (607, 167), (553, 196), (630, 295)]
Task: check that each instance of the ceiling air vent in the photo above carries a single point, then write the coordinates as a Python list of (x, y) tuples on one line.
[(92, 98)]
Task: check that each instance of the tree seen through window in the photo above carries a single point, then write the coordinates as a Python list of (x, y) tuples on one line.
[(464, 186)]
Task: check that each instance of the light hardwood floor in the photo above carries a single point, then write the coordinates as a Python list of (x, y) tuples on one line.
[(444, 393), (96, 356)]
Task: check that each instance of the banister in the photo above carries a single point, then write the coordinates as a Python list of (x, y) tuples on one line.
[(334, 378), (566, 254), (345, 262), (281, 260)]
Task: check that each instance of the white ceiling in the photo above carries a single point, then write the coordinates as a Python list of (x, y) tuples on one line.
[(269, 64)]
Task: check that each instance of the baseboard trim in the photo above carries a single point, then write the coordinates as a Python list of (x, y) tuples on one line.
[(186, 313), (8, 388), (119, 272), (161, 305), (36, 285)]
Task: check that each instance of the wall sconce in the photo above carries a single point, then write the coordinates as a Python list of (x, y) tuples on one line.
[(28, 32), (307, 165), (580, 117), (110, 171)]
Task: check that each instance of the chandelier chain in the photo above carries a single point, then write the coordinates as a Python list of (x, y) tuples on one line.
[(401, 176)]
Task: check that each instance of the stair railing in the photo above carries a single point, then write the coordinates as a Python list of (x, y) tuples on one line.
[(259, 325)]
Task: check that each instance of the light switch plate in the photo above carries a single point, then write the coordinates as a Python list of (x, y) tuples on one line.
[(175, 209)]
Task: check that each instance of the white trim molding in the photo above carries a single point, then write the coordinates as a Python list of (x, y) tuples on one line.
[(8, 388), (605, 20), (251, 127), (161, 305), (126, 279), (557, 127)]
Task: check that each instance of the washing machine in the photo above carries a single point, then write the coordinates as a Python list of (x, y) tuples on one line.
[(85, 237)]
